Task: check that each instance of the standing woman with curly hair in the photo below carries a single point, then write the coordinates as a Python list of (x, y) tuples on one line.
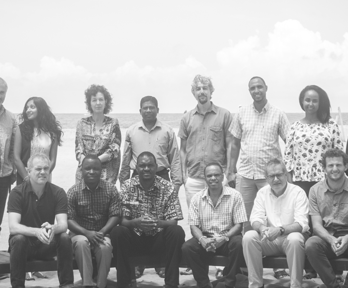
[(99, 134), (39, 132)]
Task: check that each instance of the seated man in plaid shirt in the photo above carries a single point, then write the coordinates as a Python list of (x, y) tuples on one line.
[(216, 218), (150, 212), (93, 210)]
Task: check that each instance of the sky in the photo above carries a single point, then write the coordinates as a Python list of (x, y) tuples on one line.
[(57, 49)]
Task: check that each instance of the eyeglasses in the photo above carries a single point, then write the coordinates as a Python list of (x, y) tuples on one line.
[(272, 177)]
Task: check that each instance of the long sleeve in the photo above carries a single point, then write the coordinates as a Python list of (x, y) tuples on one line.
[(126, 159)]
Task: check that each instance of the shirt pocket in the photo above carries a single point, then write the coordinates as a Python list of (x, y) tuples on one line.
[(83, 208), (216, 133)]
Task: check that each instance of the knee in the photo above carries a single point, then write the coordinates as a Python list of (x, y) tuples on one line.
[(118, 234), (295, 239), (18, 240), (186, 248), (175, 232), (235, 242), (64, 238), (250, 236), (81, 243), (312, 245)]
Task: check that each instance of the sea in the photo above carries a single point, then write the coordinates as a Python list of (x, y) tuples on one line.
[(69, 121)]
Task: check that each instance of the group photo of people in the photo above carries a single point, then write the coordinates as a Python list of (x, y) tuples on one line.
[(245, 198)]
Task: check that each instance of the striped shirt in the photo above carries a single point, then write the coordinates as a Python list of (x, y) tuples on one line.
[(259, 134), (218, 220)]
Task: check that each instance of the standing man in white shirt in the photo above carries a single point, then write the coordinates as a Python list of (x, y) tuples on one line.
[(280, 222)]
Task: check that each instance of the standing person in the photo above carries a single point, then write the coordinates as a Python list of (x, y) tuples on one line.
[(99, 134), (308, 140), (205, 137), (39, 132), (328, 210), (37, 216), (280, 222), (154, 136), (256, 130), (93, 210), (7, 134), (216, 219), (150, 212)]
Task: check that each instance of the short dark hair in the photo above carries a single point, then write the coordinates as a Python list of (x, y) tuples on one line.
[(214, 164), (323, 112), (151, 99), (258, 77), (275, 161), (334, 152), (90, 157), (92, 91), (147, 153)]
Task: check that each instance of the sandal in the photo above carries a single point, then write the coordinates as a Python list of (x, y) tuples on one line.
[(39, 275), (161, 272), (218, 274), (280, 274), (310, 275), (340, 279), (29, 276), (139, 271)]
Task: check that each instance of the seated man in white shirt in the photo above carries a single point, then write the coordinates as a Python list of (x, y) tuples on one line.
[(280, 222)]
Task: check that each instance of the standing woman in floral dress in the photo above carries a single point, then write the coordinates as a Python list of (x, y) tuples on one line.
[(307, 140), (99, 134)]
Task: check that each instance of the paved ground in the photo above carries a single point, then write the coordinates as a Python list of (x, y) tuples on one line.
[(150, 278)]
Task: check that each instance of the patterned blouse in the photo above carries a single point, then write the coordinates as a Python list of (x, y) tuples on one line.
[(108, 141), (159, 202), (305, 145)]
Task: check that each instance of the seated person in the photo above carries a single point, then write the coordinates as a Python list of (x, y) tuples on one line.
[(150, 212), (280, 222), (328, 210), (33, 208), (93, 210), (216, 218)]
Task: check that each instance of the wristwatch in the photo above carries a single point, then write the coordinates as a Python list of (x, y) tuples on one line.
[(282, 230)]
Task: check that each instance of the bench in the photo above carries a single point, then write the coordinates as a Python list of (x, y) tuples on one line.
[(151, 261)]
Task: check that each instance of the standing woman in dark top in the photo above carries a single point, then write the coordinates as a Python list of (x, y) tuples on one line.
[(39, 132), (99, 134)]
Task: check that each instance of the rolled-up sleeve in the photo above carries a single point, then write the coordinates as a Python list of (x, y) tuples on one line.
[(258, 213)]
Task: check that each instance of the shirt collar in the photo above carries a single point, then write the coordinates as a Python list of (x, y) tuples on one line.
[(213, 108), (85, 187), (155, 186), (157, 124), (225, 192), (283, 195), (29, 189), (326, 187), (264, 109)]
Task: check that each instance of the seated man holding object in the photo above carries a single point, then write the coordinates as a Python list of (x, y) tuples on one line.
[(33, 208), (280, 222), (216, 218)]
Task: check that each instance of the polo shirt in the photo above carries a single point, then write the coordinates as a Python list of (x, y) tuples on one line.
[(35, 211)]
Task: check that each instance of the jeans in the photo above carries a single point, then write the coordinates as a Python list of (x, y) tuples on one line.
[(5, 185), (197, 258), (167, 242), (23, 248)]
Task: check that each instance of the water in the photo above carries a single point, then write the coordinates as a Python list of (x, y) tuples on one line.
[(69, 121)]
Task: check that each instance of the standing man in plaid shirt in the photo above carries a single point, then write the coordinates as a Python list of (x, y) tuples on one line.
[(256, 130), (216, 218), (93, 210), (150, 212)]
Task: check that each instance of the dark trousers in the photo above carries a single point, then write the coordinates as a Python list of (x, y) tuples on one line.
[(197, 258), (166, 243), (319, 253), (5, 185), (23, 248)]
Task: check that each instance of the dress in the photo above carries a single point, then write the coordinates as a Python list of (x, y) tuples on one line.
[(215, 220), (34, 212), (92, 210), (159, 202), (305, 145), (107, 141)]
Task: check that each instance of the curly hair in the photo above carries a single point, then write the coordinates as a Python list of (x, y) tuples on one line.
[(323, 112), (46, 121), (334, 153), (204, 80), (92, 91)]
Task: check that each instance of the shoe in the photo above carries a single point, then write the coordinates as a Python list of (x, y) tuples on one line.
[(29, 276), (139, 271), (310, 275), (280, 274), (39, 275), (218, 274), (161, 272), (188, 271), (4, 276)]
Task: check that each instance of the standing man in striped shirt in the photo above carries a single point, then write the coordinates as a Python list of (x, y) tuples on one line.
[(216, 218), (256, 130)]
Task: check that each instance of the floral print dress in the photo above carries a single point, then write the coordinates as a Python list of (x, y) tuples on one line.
[(305, 145), (107, 140)]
